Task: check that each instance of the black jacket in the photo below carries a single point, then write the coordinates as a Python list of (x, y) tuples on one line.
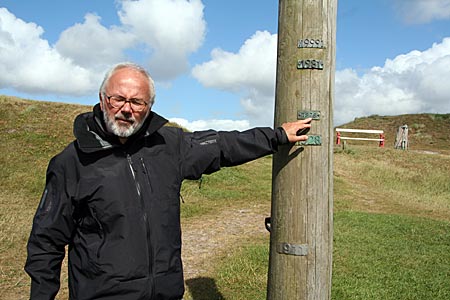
[(117, 207)]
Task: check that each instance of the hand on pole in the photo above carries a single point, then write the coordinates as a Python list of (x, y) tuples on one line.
[(296, 131)]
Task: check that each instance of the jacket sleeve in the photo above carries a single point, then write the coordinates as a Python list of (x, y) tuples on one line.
[(51, 232), (208, 151)]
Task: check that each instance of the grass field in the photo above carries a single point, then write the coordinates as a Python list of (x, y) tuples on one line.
[(376, 256), (392, 207), (391, 230)]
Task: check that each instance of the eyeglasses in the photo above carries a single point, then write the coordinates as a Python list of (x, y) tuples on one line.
[(118, 102)]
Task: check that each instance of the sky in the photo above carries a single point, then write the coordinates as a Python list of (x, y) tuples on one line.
[(214, 62)]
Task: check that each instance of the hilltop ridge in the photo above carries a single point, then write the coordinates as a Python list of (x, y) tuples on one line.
[(427, 132)]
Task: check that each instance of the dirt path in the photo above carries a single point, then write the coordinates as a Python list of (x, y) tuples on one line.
[(207, 237)]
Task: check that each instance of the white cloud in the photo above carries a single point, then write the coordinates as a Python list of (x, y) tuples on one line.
[(91, 45), (410, 83), (75, 65), (29, 64), (212, 124), (423, 11), (250, 73), (173, 29)]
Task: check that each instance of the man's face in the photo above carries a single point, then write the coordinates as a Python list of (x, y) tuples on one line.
[(126, 84)]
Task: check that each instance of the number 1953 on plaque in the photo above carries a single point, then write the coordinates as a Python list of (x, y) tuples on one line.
[(310, 64)]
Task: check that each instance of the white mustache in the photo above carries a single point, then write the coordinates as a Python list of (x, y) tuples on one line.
[(129, 118)]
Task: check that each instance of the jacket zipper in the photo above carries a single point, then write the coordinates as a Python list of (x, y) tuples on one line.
[(147, 174), (136, 183), (145, 216)]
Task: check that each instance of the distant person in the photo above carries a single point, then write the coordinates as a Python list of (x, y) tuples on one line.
[(113, 195)]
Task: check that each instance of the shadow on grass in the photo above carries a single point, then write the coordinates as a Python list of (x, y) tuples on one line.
[(203, 288)]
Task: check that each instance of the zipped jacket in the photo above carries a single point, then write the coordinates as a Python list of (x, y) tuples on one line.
[(117, 207)]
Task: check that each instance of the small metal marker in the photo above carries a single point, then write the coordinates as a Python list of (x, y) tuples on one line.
[(311, 43), (293, 249), (310, 64), (305, 114), (313, 140)]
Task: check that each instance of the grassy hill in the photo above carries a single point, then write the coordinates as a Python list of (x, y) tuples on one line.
[(428, 132), (392, 207)]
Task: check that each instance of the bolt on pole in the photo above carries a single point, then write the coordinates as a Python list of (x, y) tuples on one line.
[(300, 264)]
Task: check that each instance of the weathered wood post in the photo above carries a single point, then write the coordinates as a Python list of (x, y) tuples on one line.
[(302, 192)]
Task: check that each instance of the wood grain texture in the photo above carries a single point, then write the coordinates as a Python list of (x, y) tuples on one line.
[(302, 191)]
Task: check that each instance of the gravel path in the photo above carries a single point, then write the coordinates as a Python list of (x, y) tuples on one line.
[(207, 237)]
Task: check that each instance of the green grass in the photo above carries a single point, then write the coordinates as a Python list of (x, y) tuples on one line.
[(376, 256), (381, 256), (391, 230), (243, 185), (243, 275)]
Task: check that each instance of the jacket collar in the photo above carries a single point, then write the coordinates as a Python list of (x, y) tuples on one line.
[(91, 134)]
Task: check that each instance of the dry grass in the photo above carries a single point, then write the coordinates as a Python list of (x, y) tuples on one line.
[(31, 132), (427, 132), (393, 181)]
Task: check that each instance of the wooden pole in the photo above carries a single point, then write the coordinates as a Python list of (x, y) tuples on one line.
[(302, 192)]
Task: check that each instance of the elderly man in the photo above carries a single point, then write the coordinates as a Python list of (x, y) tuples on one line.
[(113, 194)]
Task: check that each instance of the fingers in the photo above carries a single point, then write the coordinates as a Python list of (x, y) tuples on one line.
[(296, 131), (305, 126)]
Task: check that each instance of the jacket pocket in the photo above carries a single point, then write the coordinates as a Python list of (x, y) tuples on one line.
[(89, 238)]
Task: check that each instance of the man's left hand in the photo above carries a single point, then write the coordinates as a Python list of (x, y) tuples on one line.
[(296, 131)]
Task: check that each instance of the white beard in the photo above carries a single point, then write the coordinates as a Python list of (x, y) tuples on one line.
[(121, 130)]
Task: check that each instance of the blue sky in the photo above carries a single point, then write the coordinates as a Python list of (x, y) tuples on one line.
[(214, 61)]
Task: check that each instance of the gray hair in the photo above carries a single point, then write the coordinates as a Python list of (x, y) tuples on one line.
[(133, 66)]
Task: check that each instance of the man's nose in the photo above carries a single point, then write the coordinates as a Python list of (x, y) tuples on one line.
[(127, 107)]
